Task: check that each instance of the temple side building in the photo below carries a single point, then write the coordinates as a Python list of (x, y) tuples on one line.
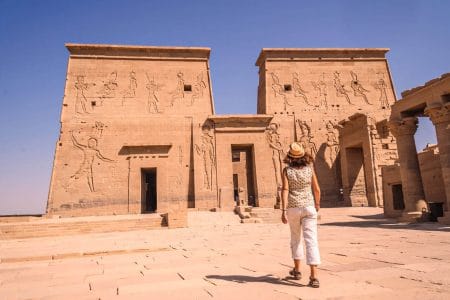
[(139, 133)]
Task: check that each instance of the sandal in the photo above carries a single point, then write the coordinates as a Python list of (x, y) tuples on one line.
[(296, 274), (313, 282)]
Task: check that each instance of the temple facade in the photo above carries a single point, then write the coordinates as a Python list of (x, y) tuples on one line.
[(139, 133)]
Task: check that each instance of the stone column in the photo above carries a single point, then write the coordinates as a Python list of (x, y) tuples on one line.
[(413, 194), (440, 116)]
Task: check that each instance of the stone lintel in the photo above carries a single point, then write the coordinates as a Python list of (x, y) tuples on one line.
[(95, 50), (428, 84), (251, 122), (321, 53)]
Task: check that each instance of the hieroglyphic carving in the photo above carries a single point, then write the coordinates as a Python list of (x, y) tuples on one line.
[(207, 152), (197, 89), (278, 89), (358, 89), (321, 87), (180, 155), (109, 87), (298, 90), (382, 86), (90, 152), (152, 98), (305, 138), (341, 91), (178, 93), (332, 149), (273, 138), (81, 101), (130, 92)]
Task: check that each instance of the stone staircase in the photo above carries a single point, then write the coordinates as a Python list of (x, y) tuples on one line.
[(250, 214), (41, 227)]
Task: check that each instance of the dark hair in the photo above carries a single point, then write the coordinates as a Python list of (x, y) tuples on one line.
[(305, 160)]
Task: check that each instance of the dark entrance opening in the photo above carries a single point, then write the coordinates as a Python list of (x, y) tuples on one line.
[(149, 195), (397, 196), (243, 178)]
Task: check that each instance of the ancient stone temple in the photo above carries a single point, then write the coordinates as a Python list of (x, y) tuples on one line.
[(139, 133)]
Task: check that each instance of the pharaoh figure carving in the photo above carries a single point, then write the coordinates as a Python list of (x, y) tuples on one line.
[(321, 91), (81, 101), (273, 138), (178, 93), (358, 89), (197, 89), (207, 153), (381, 86), (305, 138), (298, 90), (109, 86), (332, 149), (152, 98), (341, 91), (278, 90), (130, 92), (90, 153)]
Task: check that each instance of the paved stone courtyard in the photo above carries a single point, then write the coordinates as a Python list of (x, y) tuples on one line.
[(364, 257)]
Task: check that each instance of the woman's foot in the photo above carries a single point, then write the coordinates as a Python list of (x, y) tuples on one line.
[(313, 282), (296, 274)]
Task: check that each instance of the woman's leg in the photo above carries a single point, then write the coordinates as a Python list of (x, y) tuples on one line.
[(293, 216), (309, 226)]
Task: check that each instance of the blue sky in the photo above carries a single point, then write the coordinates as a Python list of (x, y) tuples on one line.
[(33, 58)]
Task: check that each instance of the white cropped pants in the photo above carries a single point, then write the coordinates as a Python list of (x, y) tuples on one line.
[(303, 221)]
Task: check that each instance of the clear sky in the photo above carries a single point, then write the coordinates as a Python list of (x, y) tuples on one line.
[(33, 58)]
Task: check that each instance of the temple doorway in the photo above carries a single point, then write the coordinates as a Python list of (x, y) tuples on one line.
[(149, 190), (243, 175)]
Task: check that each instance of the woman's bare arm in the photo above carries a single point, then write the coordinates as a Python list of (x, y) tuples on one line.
[(315, 190), (284, 195)]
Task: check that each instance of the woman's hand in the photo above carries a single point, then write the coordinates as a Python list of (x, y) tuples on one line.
[(283, 217), (317, 206)]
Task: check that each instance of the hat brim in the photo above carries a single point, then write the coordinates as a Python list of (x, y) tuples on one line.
[(295, 156)]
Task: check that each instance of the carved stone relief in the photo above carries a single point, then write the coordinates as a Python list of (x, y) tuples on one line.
[(321, 91), (90, 154), (381, 86), (332, 142), (278, 90), (197, 89), (298, 90), (152, 98), (178, 93), (358, 89), (341, 91), (81, 100), (130, 92), (273, 139), (305, 138), (207, 152), (109, 87)]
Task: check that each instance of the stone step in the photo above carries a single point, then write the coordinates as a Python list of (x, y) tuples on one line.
[(80, 225)]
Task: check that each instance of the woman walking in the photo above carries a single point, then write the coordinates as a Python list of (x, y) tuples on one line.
[(300, 205)]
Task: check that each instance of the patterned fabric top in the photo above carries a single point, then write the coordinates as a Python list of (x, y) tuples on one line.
[(300, 193)]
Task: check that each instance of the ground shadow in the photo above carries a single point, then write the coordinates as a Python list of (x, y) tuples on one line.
[(265, 278), (376, 222), (371, 217)]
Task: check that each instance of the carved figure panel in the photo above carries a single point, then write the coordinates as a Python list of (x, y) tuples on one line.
[(178, 92), (90, 154), (278, 90), (298, 90), (332, 142), (341, 91), (381, 86), (130, 92), (358, 89), (274, 141), (305, 138), (321, 91), (198, 88), (152, 97), (207, 152), (81, 99), (109, 87)]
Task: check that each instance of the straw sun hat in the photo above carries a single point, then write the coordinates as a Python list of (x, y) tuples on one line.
[(296, 150)]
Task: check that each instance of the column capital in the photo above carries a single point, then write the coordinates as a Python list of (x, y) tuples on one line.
[(405, 126), (439, 114)]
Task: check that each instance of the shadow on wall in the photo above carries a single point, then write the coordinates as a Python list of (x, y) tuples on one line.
[(329, 177)]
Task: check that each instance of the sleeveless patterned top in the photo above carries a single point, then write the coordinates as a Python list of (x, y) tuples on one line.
[(300, 193)]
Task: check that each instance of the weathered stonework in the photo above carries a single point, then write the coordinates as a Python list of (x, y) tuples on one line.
[(139, 133)]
